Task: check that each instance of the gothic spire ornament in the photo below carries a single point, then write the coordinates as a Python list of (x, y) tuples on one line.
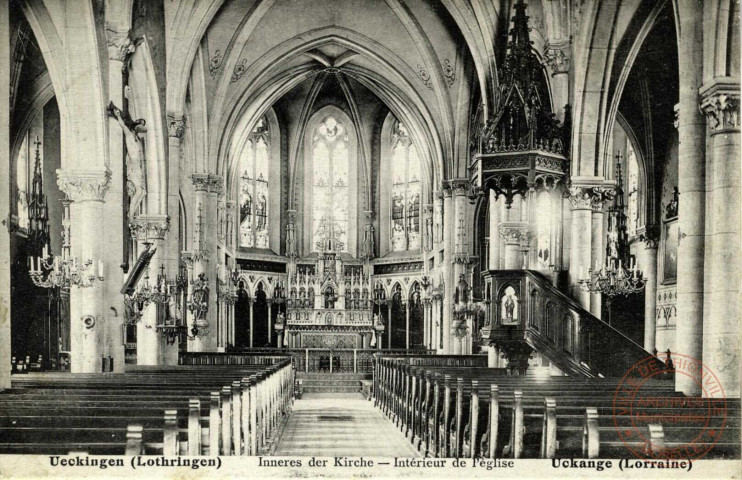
[(522, 144)]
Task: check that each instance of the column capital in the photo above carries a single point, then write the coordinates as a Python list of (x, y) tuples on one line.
[(557, 56), (676, 120), (720, 104), (514, 232), (368, 215), (446, 190), (120, 44), (428, 208), (84, 185), (589, 197), (187, 258), (651, 237), (176, 125), (459, 186), (149, 227), (206, 182)]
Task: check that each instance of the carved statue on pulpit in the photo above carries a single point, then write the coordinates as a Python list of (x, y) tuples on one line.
[(132, 131), (509, 308)]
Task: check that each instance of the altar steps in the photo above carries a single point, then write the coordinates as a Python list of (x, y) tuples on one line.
[(332, 382)]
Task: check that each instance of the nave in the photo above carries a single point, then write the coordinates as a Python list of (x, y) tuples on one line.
[(338, 424)]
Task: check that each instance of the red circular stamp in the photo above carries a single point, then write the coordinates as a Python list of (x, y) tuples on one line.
[(654, 422)]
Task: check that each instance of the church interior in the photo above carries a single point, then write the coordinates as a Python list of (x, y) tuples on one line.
[(453, 221)]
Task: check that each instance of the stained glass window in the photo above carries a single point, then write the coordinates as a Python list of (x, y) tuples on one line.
[(406, 191), (330, 185), (632, 189), (22, 182), (254, 165)]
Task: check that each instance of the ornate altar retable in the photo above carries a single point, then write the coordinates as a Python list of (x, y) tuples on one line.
[(329, 303)]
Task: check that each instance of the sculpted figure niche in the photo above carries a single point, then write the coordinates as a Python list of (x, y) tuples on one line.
[(133, 131)]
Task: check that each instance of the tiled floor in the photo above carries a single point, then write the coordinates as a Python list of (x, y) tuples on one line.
[(340, 424)]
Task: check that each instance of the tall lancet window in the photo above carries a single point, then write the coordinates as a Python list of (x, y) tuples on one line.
[(23, 176), (254, 178), (330, 186), (406, 191), (632, 189)]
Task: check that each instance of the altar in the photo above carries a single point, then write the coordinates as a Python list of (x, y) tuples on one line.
[(329, 302)]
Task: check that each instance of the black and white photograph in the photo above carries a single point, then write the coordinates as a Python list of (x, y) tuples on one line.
[(370, 239)]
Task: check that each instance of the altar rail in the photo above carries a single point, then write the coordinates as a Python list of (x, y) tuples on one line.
[(338, 360)]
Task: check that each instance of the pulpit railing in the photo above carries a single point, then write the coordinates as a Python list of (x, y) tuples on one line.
[(528, 313)]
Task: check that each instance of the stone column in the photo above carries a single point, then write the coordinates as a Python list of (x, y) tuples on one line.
[(252, 301), (449, 229), (5, 191), (692, 188), (86, 190), (270, 320), (581, 241), (407, 324), (389, 322), (119, 46), (557, 57), (597, 253), (207, 188), (513, 234), (150, 229), (494, 232), (721, 341), (648, 265)]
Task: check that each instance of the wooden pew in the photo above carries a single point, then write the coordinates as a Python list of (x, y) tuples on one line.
[(142, 397)]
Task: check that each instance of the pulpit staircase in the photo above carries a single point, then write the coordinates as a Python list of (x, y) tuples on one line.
[(556, 326)]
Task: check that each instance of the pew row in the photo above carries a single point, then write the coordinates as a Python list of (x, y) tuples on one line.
[(156, 410), (452, 411)]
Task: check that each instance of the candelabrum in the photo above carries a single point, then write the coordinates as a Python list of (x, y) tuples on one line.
[(145, 294), (48, 271), (465, 306), (613, 279), (198, 305), (172, 325)]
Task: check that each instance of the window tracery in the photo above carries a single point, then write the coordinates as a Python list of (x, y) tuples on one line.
[(330, 197), (406, 191), (632, 189), (254, 183)]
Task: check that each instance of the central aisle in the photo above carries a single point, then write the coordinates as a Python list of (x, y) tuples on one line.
[(341, 424)]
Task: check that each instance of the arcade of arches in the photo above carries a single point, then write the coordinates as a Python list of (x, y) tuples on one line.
[(227, 175)]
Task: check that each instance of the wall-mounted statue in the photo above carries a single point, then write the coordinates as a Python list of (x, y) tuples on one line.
[(133, 136)]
